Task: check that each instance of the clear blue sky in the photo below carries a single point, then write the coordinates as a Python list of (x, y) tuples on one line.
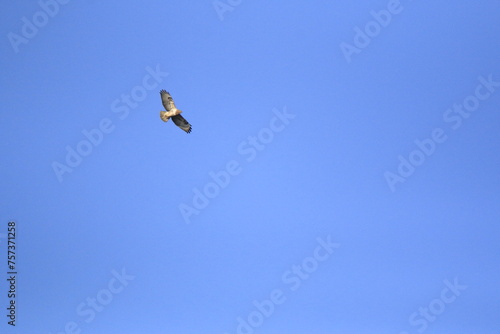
[(341, 175)]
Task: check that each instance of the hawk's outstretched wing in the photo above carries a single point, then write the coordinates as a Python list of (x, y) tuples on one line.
[(167, 100), (182, 123)]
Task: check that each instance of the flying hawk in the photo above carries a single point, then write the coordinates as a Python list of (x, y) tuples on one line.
[(172, 112)]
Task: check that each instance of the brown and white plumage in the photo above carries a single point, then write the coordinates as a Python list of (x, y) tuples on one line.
[(172, 112)]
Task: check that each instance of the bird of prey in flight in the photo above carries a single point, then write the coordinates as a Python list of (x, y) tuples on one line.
[(172, 112)]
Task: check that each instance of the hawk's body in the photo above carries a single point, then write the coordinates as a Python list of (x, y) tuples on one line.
[(172, 112)]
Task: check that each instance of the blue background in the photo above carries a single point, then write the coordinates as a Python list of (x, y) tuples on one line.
[(321, 176)]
